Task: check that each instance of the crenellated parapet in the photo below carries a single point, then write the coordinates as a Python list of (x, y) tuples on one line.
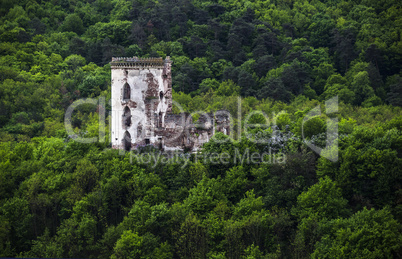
[(141, 63)]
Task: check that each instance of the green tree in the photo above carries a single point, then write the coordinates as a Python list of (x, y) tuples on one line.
[(394, 95), (313, 127), (228, 88), (275, 89), (85, 176), (368, 233), (128, 246), (73, 23), (191, 238), (324, 199), (361, 87), (205, 196), (320, 29), (17, 221), (74, 61)]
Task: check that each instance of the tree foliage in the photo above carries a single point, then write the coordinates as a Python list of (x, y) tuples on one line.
[(60, 198)]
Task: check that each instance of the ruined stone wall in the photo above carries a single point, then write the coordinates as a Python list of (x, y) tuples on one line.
[(222, 122), (150, 97), (142, 106)]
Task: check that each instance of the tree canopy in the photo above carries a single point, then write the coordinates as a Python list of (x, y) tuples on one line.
[(62, 198)]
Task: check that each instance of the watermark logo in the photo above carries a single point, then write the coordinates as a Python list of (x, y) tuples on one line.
[(237, 157), (330, 151)]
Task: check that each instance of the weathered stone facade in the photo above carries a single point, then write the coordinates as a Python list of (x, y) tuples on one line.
[(142, 109)]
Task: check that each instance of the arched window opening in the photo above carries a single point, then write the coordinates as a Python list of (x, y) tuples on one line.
[(126, 92), (161, 95), (127, 141), (127, 117)]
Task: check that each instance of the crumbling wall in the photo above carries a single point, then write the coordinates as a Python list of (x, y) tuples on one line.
[(223, 122), (144, 78), (174, 131), (150, 107), (167, 83)]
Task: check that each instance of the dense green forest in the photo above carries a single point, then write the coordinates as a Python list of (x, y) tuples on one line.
[(61, 198)]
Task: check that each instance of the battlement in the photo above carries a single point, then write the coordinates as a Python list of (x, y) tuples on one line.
[(136, 62)]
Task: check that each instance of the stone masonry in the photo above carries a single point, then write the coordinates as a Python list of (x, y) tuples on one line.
[(142, 109)]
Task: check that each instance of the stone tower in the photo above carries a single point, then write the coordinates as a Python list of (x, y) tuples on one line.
[(141, 98), (142, 109)]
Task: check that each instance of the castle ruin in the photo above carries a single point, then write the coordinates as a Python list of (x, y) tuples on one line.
[(142, 109)]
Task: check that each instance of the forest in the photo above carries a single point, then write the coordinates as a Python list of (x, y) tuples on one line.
[(63, 199)]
